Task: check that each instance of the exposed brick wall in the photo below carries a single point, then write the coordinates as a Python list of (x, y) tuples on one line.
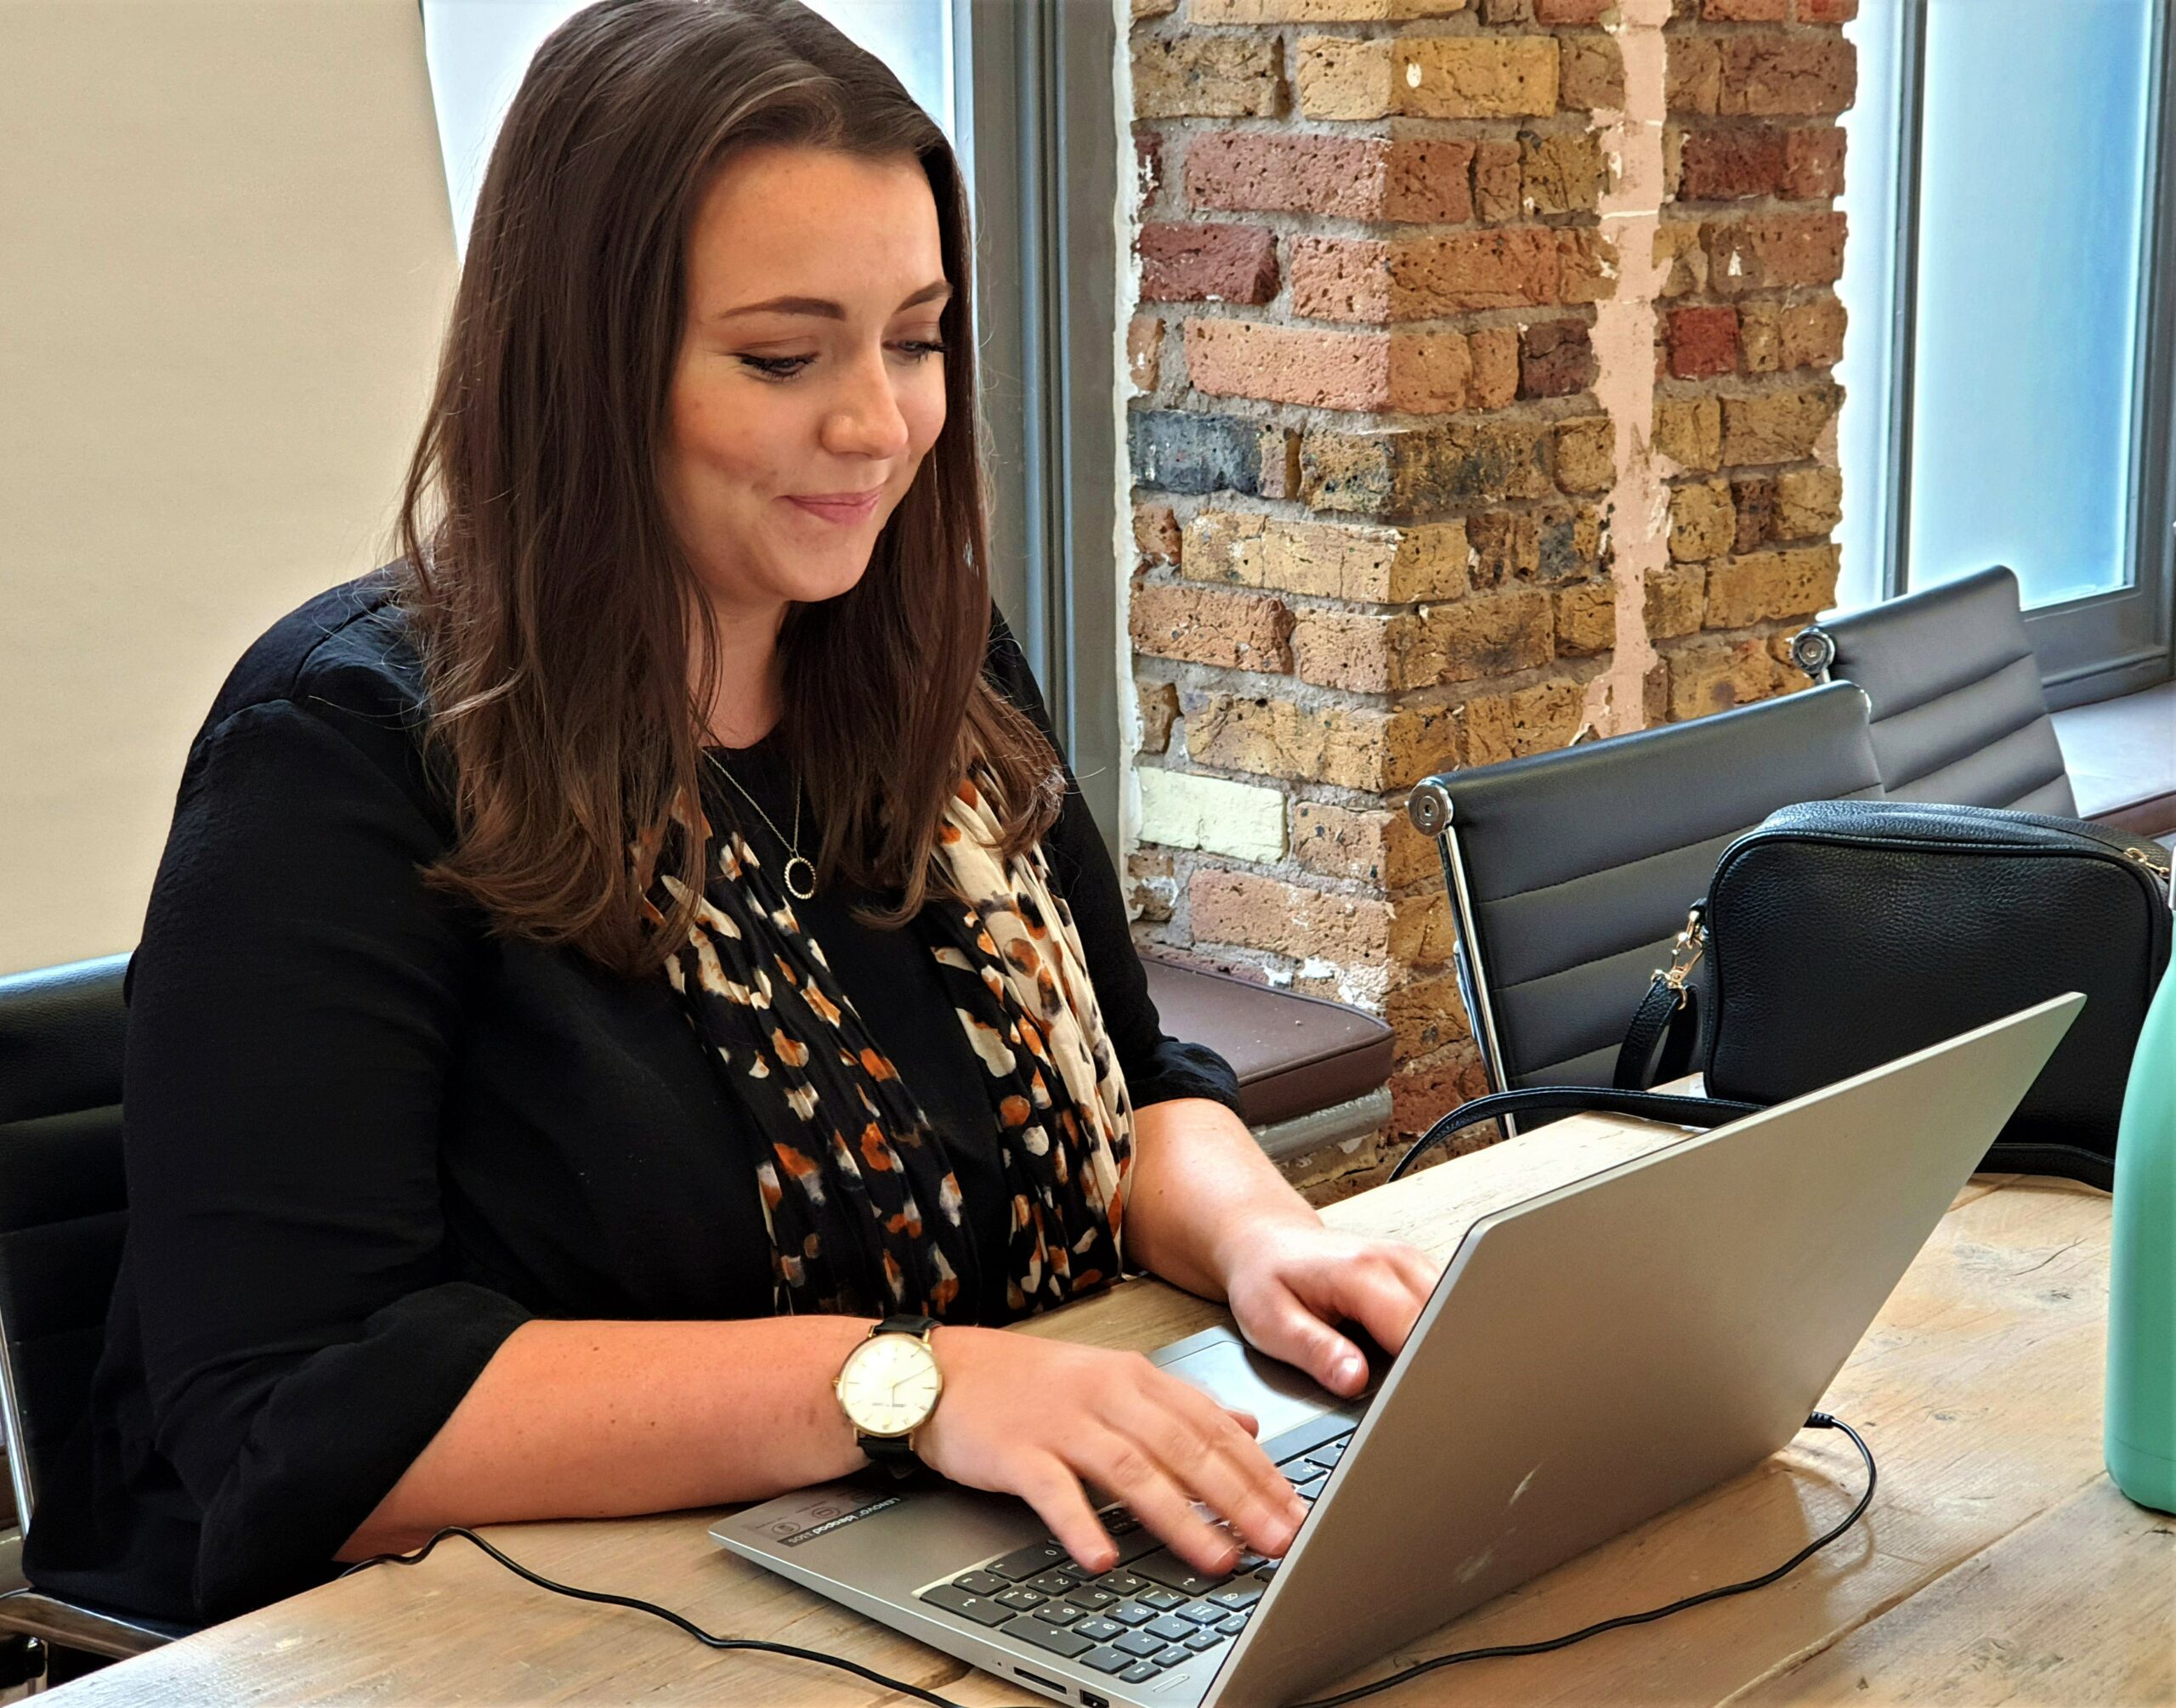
[(1387, 520)]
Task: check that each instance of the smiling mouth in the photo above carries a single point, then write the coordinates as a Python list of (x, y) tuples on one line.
[(843, 509)]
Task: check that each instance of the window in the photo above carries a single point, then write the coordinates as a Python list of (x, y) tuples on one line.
[(1034, 82), (2008, 380)]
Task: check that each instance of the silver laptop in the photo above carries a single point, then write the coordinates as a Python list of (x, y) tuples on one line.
[(1590, 1357)]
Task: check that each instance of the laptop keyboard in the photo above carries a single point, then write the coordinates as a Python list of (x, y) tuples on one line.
[(1148, 1613)]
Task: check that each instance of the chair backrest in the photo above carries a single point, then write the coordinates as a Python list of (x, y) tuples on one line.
[(63, 1202), (1959, 716), (1570, 872)]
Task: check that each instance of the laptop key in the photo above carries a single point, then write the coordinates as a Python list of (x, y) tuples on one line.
[(1025, 1563), (1139, 1673), (1174, 1573), (980, 1608), (1109, 1661), (1170, 1627), (1121, 1583), (1265, 1571), (1131, 1613), (1140, 1643), (981, 1583), (1053, 1582), (1203, 1613), (1233, 1626), (1089, 1599), (1204, 1639), (1237, 1598), (1057, 1613), (1163, 1600), (1300, 1473), (1097, 1629), (1173, 1657), (1054, 1638), (1021, 1599)]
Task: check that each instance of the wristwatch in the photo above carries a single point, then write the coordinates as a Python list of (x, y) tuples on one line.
[(887, 1388)]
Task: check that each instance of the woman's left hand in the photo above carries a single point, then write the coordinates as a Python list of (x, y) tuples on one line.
[(1289, 1283)]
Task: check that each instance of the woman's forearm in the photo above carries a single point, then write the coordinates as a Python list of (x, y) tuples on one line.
[(1199, 1183), (600, 1419)]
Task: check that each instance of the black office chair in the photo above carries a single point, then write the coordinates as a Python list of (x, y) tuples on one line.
[(1957, 712), (1570, 871), (63, 1206)]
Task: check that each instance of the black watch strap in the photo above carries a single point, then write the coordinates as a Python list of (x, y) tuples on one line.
[(894, 1452)]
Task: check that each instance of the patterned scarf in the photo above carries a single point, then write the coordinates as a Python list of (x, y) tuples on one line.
[(863, 1213)]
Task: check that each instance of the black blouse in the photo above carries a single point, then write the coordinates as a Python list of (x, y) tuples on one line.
[(366, 1139)]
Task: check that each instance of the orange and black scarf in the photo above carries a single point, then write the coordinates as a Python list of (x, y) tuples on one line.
[(864, 1211)]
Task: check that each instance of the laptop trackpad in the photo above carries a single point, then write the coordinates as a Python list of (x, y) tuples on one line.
[(1281, 1396)]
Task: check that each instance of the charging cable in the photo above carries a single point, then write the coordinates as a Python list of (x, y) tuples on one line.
[(1819, 1420)]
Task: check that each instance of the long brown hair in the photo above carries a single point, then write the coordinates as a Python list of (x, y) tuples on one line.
[(551, 601)]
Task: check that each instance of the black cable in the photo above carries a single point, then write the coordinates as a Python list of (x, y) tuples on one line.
[(1819, 1420)]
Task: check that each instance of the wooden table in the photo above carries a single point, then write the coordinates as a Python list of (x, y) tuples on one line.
[(1997, 1564)]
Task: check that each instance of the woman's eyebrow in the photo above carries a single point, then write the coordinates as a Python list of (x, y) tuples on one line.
[(823, 306)]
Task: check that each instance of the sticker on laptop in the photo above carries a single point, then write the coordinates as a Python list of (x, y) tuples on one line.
[(815, 1512)]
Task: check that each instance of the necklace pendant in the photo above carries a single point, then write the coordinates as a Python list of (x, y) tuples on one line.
[(800, 878)]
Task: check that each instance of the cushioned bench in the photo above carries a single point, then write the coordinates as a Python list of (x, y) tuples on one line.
[(1311, 1071), (2120, 755)]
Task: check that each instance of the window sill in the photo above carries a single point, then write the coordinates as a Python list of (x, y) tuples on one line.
[(2122, 758)]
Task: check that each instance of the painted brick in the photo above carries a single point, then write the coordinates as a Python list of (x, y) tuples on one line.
[(1768, 584), (1586, 454), (1427, 76), (1776, 426), (1211, 625), (1701, 522), (1730, 165), (1183, 451), (1144, 344), (1415, 372), (1498, 193), (1199, 263), (1586, 618), (1347, 747), (1319, 11), (1764, 253), (1206, 76), (1158, 704), (1561, 173), (1702, 342), (1809, 503), (1510, 725), (1375, 846), (1589, 74), (1349, 178), (1796, 76), (1689, 430), (1813, 163), (1331, 560), (1181, 810), (1556, 360), (1404, 471)]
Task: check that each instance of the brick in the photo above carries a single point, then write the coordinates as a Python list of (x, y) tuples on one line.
[(1506, 546), (1796, 76), (1754, 502), (1556, 360), (1404, 471), (1768, 585), (1498, 193), (1692, 74), (1427, 76), (1180, 809), (1572, 11), (1586, 454), (1200, 263), (1764, 253), (1144, 344), (1589, 74), (1813, 169), (1347, 747), (1676, 600), (1379, 847), (1207, 76), (1760, 336), (1319, 11), (1279, 451), (1568, 544), (1254, 912), (1537, 719), (1156, 533), (1211, 625), (1331, 560), (1776, 426), (1813, 333), (1730, 165), (1151, 888), (1702, 342), (1827, 11), (1423, 277), (1561, 173), (1586, 618), (1183, 451), (1485, 634), (1426, 1014), (1680, 258), (1348, 177), (1420, 1094), (1809, 503), (1152, 8), (1158, 706), (1703, 524), (1590, 261), (1354, 650), (1507, 11), (1745, 11), (1713, 676), (1689, 430), (1147, 162), (1417, 373), (1495, 351)]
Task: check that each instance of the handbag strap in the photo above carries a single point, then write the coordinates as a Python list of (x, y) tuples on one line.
[(1658, 1043), (1608, 1100)]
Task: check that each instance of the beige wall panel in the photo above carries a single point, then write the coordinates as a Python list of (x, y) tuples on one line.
[(225, 258)]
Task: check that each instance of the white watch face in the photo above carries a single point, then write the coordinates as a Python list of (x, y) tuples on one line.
[(889, 1384)]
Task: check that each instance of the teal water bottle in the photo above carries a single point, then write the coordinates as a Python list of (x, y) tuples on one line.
[(2140, 1428)]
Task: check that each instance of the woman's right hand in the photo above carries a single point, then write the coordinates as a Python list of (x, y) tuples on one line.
[(1036, 1419)]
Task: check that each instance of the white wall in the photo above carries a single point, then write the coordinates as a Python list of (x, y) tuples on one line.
[(228, 254)]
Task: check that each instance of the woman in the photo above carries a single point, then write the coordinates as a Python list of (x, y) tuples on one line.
[(606, 960)]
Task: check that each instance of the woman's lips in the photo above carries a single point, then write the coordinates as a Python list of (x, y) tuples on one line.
[(856, 509)]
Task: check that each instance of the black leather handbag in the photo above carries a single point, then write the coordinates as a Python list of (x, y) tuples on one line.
[(1840, 934)]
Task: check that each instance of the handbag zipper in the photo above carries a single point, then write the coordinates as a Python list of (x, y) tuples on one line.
[(2146, 861)]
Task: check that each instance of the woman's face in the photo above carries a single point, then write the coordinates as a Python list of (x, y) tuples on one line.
[(807, 387)]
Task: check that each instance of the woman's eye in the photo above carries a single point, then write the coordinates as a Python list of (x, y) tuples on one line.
[(786, 367)]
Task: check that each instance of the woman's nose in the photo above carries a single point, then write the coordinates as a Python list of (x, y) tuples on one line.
[(865, 420)]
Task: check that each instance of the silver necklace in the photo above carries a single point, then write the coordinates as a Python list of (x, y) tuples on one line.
[(801, 886)]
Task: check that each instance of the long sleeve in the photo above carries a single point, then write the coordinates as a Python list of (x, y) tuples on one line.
[(294, 1008), (1158, 1066)]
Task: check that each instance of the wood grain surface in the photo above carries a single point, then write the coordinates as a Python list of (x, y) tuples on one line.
[(1996, 1565)]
